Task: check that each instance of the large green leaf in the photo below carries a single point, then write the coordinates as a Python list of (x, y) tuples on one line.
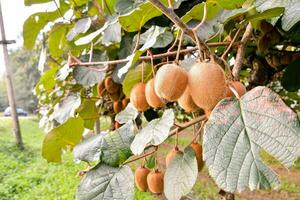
[(136, 19), (159, 37), (31, 2), (236, 132), (134, 76), (291, 14), (105, 182), (128, 114), (47, 81), (57, 40), (115, 146), (155, 133), (58, 139), (197, 12), (66, 108), (88, 112), (291, 77), (228, 4), (36, 22), (81, 26), (181, 175)]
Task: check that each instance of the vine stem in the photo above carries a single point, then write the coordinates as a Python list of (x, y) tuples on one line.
[(230, 45), (137, 42), (179, 48), (141, 156), (146, 58), (203, 18), (198, 132), (241, 52)]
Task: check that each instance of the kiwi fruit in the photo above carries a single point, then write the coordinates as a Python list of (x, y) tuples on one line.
[(110, 85), (207, 113), (153, 100), (207, 84), (270, 61), (186, 102), (117, 106), (296, 56), (265, 27), (117, 125), (140, 178), (263, 44), (138, 97), (101, 88), (171, 155), (170, 82), (155, 181), (285, 59), (114, 96), (125, 102), (198, 152), (239, 88)]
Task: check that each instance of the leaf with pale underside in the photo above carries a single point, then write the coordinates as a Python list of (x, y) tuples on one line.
[(236, 132), (128, 114), (155, 133)]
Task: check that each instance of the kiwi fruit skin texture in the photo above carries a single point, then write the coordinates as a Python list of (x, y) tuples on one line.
[(140, 178), (110, 85), (117, 106), (207, 113), (153, 100), (238, 86), (117, 125), (138, 97), (125, 102), (198, 152), (114, 96), (170, 82), (186, 102), (155, 181), (207, 84), (101, 88), (171, 155)]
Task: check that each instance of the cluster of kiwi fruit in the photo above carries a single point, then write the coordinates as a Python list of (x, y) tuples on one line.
[(109, 90), (146, 179), (269, 37), (278, 60)]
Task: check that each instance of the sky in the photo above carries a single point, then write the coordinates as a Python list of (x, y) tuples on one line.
[(14, 14)]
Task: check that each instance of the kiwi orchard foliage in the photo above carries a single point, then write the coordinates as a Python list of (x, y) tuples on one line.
[(155, 68)]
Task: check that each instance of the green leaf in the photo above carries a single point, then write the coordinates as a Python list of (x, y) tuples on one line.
[(155, 133), (150, 164), (128, 114), (89, 149), (236, 132), (36, 22), (57, 40), (136, 19), (181, 175), (274, 12), (105, 182), (291, 14), (81, 26), (197, 12), (88, 112), (31, 2), (134, 76), (156, 37), (290, 80), (115, 146), (47, 81), (66, 108), (58, 139), (228, 4)]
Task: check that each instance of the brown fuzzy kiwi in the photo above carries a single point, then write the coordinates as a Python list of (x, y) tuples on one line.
[(117, 106), (207, 84), (198, 152), (276, 60), (186, 102), (101, 88), (207, 113), (140, 178), (238, 86), (170, 82), (114, 96), (295, 56), (138, 97), (285, 59), (125, 102), (171, 155), (263, 44), (270, 61), (110, 85), (153, 100), (155, 181), (117, 125), (265, 27)]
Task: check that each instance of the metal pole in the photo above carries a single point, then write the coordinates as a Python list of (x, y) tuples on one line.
[(9, 86)]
